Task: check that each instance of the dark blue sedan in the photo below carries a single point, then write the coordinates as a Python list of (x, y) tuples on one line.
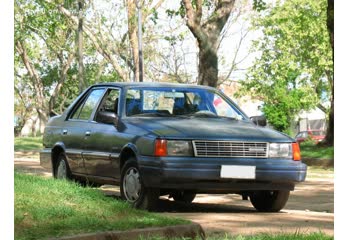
[(168, 139)]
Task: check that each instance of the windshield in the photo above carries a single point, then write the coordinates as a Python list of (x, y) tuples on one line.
[(179, 102)]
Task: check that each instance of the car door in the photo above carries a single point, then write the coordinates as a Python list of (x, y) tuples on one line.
[(103, 145), (77, 127)]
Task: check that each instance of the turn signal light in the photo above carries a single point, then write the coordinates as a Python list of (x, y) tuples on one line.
[(160, 149), (296, 152)]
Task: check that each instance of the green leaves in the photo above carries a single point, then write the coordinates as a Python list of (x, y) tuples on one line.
[(291, 73)]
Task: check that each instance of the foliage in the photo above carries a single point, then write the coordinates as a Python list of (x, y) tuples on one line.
[(47, 208), (294, 70), (46, 75)]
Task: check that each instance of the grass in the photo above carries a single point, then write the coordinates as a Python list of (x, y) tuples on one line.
[(52, 208), (263, 236), (315, 151), (28, 143)]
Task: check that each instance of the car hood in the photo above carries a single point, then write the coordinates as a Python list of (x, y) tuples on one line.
[(207, 128)]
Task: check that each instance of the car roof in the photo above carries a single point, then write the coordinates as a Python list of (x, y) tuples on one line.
[(151, 84)]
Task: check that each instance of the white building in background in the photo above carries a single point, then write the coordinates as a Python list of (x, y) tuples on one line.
[(314, 119)]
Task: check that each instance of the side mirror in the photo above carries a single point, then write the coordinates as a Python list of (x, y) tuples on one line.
[(107, 117), (259, 120)]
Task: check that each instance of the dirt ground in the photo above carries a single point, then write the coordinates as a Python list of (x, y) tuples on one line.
[(310, 207)]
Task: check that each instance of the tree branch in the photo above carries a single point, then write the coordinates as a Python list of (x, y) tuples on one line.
[(103, 50)]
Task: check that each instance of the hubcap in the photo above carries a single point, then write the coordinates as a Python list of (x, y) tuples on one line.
[(62, 170), (132, 185)]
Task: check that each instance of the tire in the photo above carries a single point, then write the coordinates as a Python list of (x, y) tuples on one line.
[(62, 170), (269, 201), (183, 196), (134, 191)]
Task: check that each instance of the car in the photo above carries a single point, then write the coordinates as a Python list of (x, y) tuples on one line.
[(155, 139), (314, 135)]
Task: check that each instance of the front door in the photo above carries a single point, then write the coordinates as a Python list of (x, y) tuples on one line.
[(77, 127), (102, 145)]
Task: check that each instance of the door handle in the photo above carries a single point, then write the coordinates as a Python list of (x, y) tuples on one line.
[(87, 133), (65, 131)]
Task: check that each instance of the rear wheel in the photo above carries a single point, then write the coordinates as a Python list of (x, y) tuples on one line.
[(134, 191), (62, 170), (183, 196), (269, 201)]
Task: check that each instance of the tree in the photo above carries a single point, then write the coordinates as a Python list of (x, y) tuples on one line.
[(294, 71), (330, 26), (41, 36), (207, 33)]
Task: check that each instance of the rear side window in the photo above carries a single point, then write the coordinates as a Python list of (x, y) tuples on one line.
[(84, 111)]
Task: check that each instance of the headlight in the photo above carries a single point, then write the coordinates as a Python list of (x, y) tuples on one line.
[(179, 148), (164, 148), (280, 150)]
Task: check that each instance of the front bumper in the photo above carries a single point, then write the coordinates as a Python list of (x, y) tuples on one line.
[(203, 174)]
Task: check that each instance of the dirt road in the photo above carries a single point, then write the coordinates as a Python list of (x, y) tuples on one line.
[(310, 207)]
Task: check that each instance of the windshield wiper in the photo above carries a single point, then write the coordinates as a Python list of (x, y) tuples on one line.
[(153, 114), (203, 114)]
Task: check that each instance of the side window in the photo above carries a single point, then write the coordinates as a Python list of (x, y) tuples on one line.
[(110, 101), (84, 111)]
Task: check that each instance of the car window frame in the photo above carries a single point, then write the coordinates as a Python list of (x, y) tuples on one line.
[(101, 100), (83, 101)]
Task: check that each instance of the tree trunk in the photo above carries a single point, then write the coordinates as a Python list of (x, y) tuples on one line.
[(330, 26), (132, 33), (207, 35), (208, 67), (330, 128), (80, 47)]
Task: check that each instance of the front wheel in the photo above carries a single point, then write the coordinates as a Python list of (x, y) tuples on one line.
[(269, 201), (134, 191)]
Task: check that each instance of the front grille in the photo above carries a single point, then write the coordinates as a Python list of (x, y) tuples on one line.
[(230, 149)]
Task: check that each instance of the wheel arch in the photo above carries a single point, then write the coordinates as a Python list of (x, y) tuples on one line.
[(129, 150), (55, 152)]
